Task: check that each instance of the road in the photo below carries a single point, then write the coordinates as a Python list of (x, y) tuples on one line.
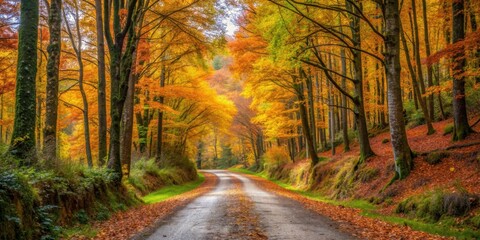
[(238, 209)]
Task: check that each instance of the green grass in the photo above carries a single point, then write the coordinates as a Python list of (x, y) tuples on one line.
[(369, 210), (438, 229), (85, 230), (172, 190)]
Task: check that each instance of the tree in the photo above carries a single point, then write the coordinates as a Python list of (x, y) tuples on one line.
[(461, 128), (77, 48), (121, 58), (23, 138), (54, 48), (102, 100), (401, 150)]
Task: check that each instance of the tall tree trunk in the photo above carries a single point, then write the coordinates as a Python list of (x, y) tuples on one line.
[(53, 64), (473, 24), (158, 153), (401, 149), (346, 141), (304, 118), (77, 47), (331, 122), (23, 138), (365, 149), (416, 88), (431, 103), (311, 108), (121, 58), (461, 128), (418, 63), (127, 125), (102, 99)]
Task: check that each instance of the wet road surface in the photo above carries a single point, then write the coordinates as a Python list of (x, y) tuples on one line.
[(207, 217)]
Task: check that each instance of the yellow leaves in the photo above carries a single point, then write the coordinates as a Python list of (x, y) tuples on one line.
[(445, 87)]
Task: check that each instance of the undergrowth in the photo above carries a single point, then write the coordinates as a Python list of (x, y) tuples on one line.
[(439, 212), (38, 203)]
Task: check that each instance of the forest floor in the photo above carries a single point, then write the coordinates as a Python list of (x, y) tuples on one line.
[(125, 224), (459, 168), (233, 206)]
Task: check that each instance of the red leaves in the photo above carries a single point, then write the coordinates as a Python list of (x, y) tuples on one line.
[(472, 41)]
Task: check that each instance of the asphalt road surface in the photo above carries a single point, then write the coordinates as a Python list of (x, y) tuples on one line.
[(207, 217)]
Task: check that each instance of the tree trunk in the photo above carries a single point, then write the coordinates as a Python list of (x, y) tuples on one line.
[(158, 153), (431, 103), (53, 63), (77, 47), (102, 99), (331, 123), (305, 125), (418, 63), (311, 108), (461, 128), (121, 60), (23, 138), (86, 126), (346, 141), (416, 88), (365, 149), (401, 149), (127, 125)]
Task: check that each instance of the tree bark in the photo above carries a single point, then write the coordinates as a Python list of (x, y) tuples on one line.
[(423, 105), (431, 103), (102, 99), (311, 108), (365, 149), (461, 128), (401, 149), (418, 63), (158, 153), (127, 125), (121, 58), (23, 138), (346, 141), (298, 84), (53, 63), (77, 47)]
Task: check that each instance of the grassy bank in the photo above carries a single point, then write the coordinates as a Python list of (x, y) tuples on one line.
[(445, 227), (170, 191), (40, 203)]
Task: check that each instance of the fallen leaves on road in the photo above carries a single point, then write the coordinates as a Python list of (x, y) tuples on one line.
[(240, 208), (123, 225), (349, 219)]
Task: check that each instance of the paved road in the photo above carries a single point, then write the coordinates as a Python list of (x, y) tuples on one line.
[(278, 217)]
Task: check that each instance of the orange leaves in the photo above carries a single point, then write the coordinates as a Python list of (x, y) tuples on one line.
[(471, 41)]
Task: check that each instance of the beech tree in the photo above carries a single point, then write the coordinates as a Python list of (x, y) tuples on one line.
[(54, 49), (401, 150), (461, 128), (121, 45), (23, 136)]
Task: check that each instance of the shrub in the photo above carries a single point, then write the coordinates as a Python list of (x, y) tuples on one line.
[(276, 156), (82, 217), (414, 116)]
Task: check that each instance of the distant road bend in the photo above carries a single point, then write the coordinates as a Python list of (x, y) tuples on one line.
[(238, 209)]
